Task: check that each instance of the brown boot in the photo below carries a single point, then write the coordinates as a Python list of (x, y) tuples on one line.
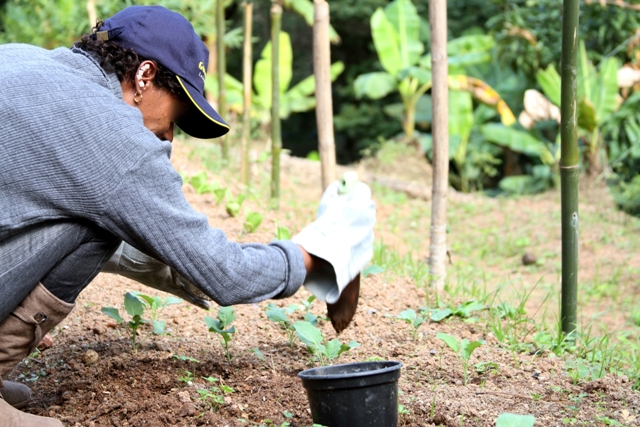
[(11, 417), (15, 394), (20, 333)]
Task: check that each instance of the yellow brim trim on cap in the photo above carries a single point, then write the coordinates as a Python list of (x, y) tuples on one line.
[(198, 107)]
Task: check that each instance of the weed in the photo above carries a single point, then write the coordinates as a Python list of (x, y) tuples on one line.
[(135, 308), (219, 325), (462, 350), (322, 350)]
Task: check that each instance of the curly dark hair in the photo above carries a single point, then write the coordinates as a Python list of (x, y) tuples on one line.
[(125, 62)]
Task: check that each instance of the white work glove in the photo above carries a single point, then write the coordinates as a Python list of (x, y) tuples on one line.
[(129, 262), (342, 235)]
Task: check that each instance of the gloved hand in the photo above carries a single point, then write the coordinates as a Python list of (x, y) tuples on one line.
[(129, 262), (342, 235)]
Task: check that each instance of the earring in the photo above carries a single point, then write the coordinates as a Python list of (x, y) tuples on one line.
[(137, 101)]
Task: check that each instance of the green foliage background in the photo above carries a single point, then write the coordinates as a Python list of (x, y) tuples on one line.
[(527, 35)]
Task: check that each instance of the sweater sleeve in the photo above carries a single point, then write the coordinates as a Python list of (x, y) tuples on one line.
[(148, 210)]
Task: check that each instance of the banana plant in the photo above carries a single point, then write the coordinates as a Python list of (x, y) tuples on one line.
[(396, 37), (395, 31), (298, 98), (597, 100)]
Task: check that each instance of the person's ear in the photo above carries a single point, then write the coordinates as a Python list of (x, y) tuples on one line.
[(145, 75)]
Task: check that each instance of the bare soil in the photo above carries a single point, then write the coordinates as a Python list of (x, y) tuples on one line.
[(142, 388)]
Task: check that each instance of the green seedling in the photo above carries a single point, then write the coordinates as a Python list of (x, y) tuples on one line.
[(410, 317), (279, 315), (213, 397), (233, 206), (283, 233), (462, 350), (220, 326), (200, 183), (463, 310), (308, 316), (322, 351), (156, 305), (187, 376), (371, 270), (514, 420), (252, 221), (219, 194), (135, 308)]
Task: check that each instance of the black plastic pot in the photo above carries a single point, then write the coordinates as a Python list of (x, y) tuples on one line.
[(363, 394)]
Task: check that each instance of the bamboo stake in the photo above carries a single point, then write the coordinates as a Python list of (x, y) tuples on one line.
[(93, 15), (222, 70), (324, 102), (246, 82), (569, 167), (276, 139), (440, 132)]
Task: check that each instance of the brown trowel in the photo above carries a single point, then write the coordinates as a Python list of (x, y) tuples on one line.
[(342, 311)]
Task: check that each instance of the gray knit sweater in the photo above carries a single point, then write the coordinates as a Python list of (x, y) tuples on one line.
[(71, 148)]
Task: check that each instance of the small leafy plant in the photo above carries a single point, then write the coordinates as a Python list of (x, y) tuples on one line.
[(134, 308), (322, 351), (200, 183), (462, 349), (222, 326), (213, 397), (410, 317), (233, 206), (156, 305), (283, 233), (279, 315), (252, 221)]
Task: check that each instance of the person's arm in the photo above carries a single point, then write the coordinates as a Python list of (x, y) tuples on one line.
[(148, 210)]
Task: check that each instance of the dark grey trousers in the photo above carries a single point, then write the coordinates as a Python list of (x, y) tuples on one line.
[(64, 256)]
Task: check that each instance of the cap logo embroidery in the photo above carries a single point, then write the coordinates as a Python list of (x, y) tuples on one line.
[(203, 75)]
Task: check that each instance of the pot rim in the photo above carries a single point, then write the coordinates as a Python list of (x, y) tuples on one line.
[(309, 374)]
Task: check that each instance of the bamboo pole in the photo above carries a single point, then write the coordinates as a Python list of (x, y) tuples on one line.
[(324, 102), (222, 70), (569, 167), (93, 15), (246, 82), (440, 132), (276, 139)]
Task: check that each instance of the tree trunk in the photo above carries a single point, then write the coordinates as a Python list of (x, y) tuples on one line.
[(222, 70), (276, 140), (324, 104), (93, 15), (246, 81), (440, 132), (569, 167)]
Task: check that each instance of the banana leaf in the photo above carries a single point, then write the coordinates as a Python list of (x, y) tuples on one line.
[(262, 72), (549, 81), (374, 85), (387, 42), (403, 15), (305, 8)]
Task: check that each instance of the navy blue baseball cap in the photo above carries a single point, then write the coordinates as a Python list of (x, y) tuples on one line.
[(164, 36)]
